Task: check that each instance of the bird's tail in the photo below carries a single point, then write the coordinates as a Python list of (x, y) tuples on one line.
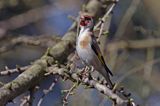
[(109, 82), (106, 75), (108, 70)]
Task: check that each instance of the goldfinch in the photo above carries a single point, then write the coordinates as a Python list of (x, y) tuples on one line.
[(88, 49)]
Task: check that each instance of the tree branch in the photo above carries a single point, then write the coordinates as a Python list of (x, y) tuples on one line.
[(92, 83), (42, 41)]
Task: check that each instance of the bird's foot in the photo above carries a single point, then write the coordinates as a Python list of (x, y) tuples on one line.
[(85, 72)]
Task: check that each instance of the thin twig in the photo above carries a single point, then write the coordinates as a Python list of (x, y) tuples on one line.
[(103, 20), (46, 92), (69, 92), (8, 71), (105, 16)]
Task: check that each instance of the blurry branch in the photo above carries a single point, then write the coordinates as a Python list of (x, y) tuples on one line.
[(150, 51), (135, 44), (35, 73), (144, 31), (41, 41), (136, 69), (154, 79), (113, 54), (8, 3), (1, 84), (14, 3), (149, 66), (26, 18), (126, 18)]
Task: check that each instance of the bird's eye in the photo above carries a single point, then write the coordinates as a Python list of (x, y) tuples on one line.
[(85, 20)]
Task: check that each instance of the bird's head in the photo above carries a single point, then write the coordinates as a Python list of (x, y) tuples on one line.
[(86, 21)]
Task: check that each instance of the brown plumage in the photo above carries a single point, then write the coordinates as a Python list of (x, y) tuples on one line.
[(85, 41)]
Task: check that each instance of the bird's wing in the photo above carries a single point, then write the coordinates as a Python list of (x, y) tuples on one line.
[(97, 51)]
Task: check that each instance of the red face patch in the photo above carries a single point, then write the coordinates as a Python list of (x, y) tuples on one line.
[(82, 23), (84, 20)]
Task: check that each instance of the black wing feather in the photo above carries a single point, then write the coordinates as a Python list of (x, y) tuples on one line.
[(94, 46)]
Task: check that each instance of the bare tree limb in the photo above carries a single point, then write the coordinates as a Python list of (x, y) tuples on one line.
[(90, 82), (42, 41)]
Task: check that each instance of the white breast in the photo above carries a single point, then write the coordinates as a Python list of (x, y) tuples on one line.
[(83, 46)]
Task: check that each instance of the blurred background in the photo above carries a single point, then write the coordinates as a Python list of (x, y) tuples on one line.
[(137, 66)]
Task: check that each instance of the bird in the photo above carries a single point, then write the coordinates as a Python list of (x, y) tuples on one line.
[(88, 49)]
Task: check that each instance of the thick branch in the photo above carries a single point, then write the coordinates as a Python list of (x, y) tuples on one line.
[(90, 82)]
